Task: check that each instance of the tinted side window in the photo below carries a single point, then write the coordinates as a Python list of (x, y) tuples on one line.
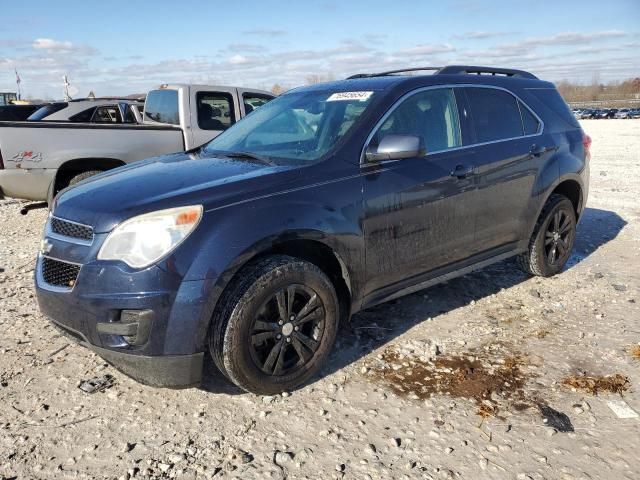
[(107, 114), (431, 114), (252, 101), (530, 123), (162, 106), (551, 99), (84, 116), (215, 110), (495, 114)]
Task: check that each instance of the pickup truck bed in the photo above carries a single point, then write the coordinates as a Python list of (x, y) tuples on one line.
[(26, 174), (39, 159)]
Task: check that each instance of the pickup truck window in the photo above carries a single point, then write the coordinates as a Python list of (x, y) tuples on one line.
[(215, 110), (430, 114), (162, 107), (252, 101), (295, 126)]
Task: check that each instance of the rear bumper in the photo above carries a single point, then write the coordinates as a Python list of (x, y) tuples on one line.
[(30, 184)]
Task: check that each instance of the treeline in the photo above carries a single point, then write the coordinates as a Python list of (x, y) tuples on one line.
[(598, 92)]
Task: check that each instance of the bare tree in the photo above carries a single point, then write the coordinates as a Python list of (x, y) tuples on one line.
[(277, 89)]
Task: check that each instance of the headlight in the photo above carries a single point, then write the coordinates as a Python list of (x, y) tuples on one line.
[(143, 240)]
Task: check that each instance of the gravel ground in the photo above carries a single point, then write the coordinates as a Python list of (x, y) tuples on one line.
[(493, 375)]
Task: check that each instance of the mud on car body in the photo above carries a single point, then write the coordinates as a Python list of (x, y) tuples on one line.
[(325, 201)]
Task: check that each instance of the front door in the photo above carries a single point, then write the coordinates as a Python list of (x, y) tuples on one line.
[(418, 212)]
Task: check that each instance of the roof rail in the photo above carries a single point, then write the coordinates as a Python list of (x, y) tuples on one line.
[(391, 72), (474, 70), (453, 70)]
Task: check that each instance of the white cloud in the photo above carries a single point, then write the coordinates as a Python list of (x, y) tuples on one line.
[(238, 60), (481, 35), (56, 46), (420, 50)]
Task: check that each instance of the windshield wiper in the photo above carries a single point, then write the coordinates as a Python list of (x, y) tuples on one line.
[(249, 155)]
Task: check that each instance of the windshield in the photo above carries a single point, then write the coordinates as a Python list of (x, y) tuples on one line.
[(298, 126)]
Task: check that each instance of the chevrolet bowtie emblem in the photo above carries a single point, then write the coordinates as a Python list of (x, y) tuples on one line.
[(45, 247)]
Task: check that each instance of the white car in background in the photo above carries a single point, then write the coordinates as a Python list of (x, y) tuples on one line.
[(99, 110)]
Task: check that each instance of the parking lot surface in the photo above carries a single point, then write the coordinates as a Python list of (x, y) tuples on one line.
[(492, 375)]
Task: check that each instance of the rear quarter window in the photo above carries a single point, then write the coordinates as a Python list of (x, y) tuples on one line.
[(162, 107), (555, 106)]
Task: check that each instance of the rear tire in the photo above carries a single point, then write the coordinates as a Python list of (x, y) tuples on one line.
[(276, 326), (552, 240)]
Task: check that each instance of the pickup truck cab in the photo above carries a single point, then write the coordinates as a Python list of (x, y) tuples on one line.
[(39, 159), (328, 200)]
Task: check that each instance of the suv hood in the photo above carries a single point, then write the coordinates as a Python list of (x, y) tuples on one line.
[(163, 182)]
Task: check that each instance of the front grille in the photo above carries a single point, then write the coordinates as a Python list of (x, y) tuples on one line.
[(70, 229), (59, 274)]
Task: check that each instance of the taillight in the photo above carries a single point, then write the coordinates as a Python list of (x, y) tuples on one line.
[(586, 143)]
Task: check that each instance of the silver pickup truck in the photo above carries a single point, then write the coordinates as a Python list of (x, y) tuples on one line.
[(38, 159)]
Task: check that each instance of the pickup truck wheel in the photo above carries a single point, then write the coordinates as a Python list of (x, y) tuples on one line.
[(277, 327), (552, 239), (82, 176)]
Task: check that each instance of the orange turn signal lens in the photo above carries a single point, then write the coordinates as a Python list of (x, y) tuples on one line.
[(187, 218)]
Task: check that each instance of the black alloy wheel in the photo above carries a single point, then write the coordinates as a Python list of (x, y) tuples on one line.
[(288, 330)]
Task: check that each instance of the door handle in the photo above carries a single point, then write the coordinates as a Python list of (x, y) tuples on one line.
[(537, 150), (462, 171)]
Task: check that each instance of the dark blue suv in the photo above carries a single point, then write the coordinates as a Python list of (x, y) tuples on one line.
[(325, 201)]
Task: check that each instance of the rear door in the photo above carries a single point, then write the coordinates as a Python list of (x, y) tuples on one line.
[(212, 112), (418, 215), (506, 159)]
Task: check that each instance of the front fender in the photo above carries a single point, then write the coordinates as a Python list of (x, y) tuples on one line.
[(234, 235)]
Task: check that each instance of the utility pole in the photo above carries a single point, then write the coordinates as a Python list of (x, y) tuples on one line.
[(18, 81), (66, 88)]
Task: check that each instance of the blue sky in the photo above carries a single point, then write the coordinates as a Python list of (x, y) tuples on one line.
[(121, 47)]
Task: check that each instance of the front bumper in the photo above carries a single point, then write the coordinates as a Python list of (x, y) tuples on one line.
[(30, 184), (170, 351), (174, 371)]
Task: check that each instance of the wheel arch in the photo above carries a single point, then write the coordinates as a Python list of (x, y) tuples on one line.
[(312, 246), (570, 186), (78, 165)]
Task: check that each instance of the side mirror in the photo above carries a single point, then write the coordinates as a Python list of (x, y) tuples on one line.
[(396, 147)]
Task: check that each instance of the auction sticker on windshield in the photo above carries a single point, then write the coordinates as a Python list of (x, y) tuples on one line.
[(362, 96)]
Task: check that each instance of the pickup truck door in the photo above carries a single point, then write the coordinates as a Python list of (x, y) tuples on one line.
[(211, 113), (418, 212)]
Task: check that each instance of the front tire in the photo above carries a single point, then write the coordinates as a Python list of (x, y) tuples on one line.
[(552, 240), (276, 326)]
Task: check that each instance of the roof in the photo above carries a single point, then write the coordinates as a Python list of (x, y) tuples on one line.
[(453, 74)]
